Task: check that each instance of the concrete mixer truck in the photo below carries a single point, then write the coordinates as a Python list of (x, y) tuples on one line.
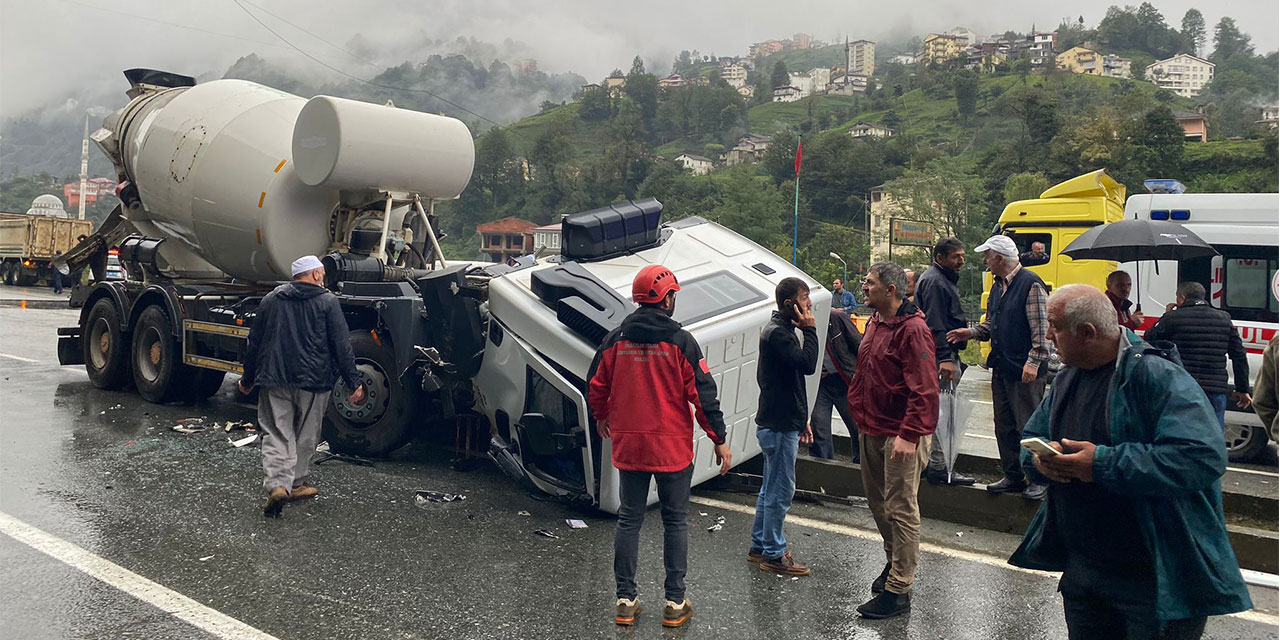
[(225, 183)]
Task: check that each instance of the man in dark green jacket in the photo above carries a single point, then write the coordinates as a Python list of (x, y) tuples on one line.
[(1133, 518)]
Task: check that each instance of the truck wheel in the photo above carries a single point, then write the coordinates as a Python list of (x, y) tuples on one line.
[(1245, 442), (383, 423), (157, 366), (7, 270), (105, 347), (205, 383)]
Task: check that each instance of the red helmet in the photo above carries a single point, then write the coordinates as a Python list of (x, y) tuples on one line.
[(652, 284)]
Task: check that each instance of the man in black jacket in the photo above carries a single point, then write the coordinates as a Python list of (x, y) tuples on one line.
[(298, 346), (1205, 337), (839, 364), (781, 416), (939, 298)]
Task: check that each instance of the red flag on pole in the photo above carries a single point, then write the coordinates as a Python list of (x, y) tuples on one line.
[(799, 155)]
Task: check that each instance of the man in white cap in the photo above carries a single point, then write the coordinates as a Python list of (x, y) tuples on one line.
[(299, 345), (1016, 323)]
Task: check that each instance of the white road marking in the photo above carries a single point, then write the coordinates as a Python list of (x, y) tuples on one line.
[(18, 358), (175, 604), (979, 435), (960, 554), (1255, 472)]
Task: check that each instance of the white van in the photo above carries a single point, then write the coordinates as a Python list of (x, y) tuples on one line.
[(1241, 280)]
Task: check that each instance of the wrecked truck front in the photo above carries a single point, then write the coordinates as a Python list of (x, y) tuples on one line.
[(546, 320)]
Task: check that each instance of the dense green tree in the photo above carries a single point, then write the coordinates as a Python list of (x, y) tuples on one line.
[(780, 77), (642, 87), (1024, 186), (595, 104), (1193, 30), (965, 85), (1156, 146), (779, 160), (1229, 42)]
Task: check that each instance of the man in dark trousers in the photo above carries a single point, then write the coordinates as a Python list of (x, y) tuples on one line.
[(839, 363), (1205, 338), (1133, 519), (1016, 324), (894, 398), (644, 378), (939, 298), (782, 420), (299, 345)]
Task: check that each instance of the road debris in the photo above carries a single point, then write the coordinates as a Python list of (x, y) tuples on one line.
[(181, 428), (523, 513), (715, 527), (233, 425), (323, 454), (247, 440), (423, 497), (546, 534), (576, 524), (206, 558)]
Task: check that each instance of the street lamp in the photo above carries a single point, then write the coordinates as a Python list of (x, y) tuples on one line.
[(845, 279)]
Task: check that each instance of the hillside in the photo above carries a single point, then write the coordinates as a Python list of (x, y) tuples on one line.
[(802, 60)]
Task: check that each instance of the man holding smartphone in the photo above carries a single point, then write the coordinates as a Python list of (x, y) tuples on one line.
[(782, 420), (1133, 517)]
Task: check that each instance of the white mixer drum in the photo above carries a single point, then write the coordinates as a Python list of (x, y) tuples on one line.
[(350, 145)]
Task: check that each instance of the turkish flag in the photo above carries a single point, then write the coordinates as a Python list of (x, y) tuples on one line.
[(799, 155)]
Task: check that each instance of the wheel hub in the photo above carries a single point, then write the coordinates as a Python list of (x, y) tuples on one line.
[(377, 387)]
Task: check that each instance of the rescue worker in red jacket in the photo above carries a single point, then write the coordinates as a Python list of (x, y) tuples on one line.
[(644, 378)]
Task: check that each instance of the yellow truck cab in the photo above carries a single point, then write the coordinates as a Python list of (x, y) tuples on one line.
[(1058, 216)]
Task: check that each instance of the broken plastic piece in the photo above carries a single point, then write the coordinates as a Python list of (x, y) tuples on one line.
[(715, 527), (576, 524), (422, 496), (523, 513), (189, 421), (206, 558), (181, 429), (247, 440), (546, 534)]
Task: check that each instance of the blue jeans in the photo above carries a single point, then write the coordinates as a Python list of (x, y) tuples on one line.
[(776, 491), (1219, 402)]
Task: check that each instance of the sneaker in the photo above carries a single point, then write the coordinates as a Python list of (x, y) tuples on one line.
[(1035, 491), (627, 611), (877, 585), (1006, 485), (275, 502), (785, 565), (755, 555), (675, 615), (302, 492), (886, 604), (956, 479)]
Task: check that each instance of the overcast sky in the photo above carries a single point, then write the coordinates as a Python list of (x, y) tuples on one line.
[(51, 48)]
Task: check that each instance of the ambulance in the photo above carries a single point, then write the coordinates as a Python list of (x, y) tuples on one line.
[(1241, 280)]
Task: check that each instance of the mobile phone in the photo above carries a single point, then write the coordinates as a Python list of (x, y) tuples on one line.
[(792, 309), (1040, 446)]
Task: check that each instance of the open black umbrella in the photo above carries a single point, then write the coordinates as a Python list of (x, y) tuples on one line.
[(1136, 240)]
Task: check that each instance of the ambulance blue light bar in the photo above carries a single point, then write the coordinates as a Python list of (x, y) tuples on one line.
[(1159, 214), (1179, 214), (1164, 185)]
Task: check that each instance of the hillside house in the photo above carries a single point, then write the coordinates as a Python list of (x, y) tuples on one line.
[(546, 238), (868, 130), (504, 239), (787, 94), (1183, 74), (695, 164), (1195, 127), (749, 149)]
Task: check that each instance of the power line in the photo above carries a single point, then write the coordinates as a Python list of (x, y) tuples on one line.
[(325, 41), (173, 24), (357, 78)]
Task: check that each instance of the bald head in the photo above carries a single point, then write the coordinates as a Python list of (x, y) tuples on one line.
[(1083, 326)]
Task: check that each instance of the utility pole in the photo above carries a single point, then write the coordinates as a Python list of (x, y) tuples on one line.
[(84, 165)]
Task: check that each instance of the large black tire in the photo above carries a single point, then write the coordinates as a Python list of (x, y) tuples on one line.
[(105, 346), (1245, 442), (384, 422), (204, 383), (10, 273), (158, 371), (25, 279)]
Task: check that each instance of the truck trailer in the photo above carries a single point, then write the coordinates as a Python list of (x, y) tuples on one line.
[(225, 183), (30, 242)]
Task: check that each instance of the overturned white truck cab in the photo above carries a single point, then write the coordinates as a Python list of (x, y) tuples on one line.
[(225, 183)]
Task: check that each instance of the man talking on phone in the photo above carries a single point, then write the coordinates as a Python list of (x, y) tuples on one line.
[(1133, 517), (782, 420)]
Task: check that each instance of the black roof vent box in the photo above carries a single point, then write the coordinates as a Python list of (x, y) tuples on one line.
[(611, 231)]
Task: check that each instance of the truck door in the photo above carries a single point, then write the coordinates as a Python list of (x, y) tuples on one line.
[(554, 436)]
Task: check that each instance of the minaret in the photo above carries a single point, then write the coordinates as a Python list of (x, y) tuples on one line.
[(848, 59), (84, 165)]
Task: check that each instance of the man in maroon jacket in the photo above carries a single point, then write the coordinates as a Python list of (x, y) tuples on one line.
[(894, 400), (659, 372)]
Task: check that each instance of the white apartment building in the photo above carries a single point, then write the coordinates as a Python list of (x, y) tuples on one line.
[(697, 165), (860, 57), (734, 74), (787, 94), (820, 77), (1183, 74), (803, 82)]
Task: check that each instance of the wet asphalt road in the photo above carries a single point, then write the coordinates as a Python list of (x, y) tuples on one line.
[(102, 470)]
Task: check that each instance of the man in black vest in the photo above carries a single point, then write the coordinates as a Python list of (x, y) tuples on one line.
[(939, 298), (1016, 324)]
